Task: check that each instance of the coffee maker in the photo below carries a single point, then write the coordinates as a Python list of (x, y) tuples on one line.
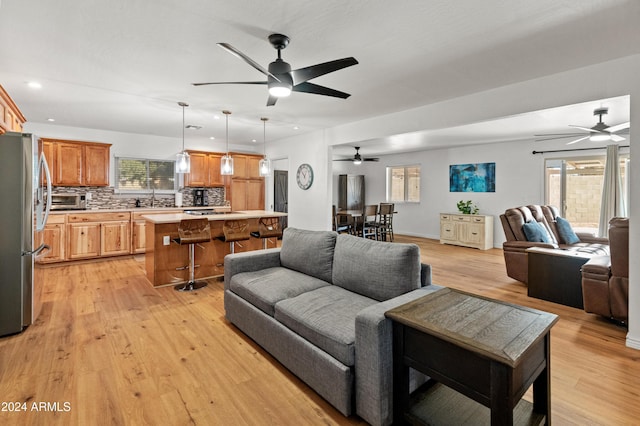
[(200, 197)]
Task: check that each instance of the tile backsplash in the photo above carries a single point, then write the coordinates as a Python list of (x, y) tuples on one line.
[(105, 197)]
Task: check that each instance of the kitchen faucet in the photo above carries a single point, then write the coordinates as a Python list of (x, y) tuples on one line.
[(153, 197)]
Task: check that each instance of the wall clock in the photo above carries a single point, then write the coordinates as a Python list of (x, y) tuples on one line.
[(304, 176)]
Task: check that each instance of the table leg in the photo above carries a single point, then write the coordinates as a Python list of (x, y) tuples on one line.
[(400, 376), (541, 386), (501, 406)]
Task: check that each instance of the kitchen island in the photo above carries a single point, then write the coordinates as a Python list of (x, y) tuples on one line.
[(165, 259)]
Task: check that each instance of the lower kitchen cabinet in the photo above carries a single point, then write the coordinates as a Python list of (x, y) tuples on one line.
[(138, 242), (83, 240), (115, 238), (54, 235)]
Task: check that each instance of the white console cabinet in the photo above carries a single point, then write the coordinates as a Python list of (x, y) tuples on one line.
[(469, 230)]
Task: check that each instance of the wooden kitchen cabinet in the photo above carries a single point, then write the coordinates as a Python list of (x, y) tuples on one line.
[(54, 235), (75, 163), (138, 229), (115, 238), (98, 234), (205, 170), (246, 190), (83, 240), (11, 119)]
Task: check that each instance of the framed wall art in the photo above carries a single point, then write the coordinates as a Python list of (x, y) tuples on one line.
[(479, 177)]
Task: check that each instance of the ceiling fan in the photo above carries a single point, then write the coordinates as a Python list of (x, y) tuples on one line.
[(281, 80), (357, 158), (598, 133)]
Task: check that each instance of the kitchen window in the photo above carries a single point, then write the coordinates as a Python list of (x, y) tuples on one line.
[(403, 184), (145, 175)]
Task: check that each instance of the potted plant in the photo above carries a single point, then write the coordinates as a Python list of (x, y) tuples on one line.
[(467, 207)]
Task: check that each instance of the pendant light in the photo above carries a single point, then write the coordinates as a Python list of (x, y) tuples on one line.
[(226, 163), (183, 162), (264, 167)]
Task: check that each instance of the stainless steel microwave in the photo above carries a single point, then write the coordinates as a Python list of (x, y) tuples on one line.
[(68, 202)]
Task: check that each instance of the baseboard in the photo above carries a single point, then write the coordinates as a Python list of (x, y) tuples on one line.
[(633, 343)]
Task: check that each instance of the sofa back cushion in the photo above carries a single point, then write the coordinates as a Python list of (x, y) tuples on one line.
[(309, 252), (375, 269)]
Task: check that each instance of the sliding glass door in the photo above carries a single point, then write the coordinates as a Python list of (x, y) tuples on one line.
[(574, 185)]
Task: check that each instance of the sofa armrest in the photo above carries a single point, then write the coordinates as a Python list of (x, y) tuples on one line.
[(425, 275), (598, 267), (248, 262), (374, 359), (586, 237), (521, 246)]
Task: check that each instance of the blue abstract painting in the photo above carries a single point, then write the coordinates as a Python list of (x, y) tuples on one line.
[(480, 177)]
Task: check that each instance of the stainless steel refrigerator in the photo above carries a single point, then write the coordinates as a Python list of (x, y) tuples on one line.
[(25, 185)]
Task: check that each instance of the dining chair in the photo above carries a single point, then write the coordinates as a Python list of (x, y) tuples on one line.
[(386, 221), (370, 223), (343, 222)]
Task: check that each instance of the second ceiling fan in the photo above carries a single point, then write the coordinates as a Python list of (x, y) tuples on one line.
[(598, 133), (357, 158), (282, 80)]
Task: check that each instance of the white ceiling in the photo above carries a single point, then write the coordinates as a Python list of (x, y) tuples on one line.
[(123, 65)]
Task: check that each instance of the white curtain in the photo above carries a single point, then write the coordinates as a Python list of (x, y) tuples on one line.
[(612, 198)]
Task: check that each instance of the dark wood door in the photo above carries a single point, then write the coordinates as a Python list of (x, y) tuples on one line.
[(280, 194)]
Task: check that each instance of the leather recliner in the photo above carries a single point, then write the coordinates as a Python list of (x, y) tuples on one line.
[(605, 279), (516, 244)]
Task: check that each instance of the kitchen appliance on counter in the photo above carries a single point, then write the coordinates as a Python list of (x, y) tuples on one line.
[(200, 198), (68, 201), (24, 211)]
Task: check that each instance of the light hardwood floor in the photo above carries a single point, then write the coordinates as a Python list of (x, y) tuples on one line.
[(113, 350)]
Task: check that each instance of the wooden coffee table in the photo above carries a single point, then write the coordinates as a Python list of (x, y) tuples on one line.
[(488, 352)]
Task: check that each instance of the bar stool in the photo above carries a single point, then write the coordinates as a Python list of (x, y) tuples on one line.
[(268, 227), (235, 230), (192, 232)]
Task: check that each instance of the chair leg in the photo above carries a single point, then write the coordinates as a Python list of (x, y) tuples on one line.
[(192, 284)]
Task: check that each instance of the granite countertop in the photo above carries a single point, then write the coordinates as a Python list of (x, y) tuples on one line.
[(244, 214), (148, 210)]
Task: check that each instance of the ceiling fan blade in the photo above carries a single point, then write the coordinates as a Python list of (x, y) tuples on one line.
[(271, 101), (578, 140), (583, 128), (551, 138), (618, 127), (617, 138), (560, 135), (305, 74), (229, 48), (319, 90), (370, 159), (344, 159), (230, 82)]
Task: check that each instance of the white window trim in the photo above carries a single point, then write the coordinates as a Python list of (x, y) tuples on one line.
[(406, 183)]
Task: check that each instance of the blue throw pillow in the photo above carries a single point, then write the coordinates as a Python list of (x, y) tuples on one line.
[(536, 232), (565, 232)]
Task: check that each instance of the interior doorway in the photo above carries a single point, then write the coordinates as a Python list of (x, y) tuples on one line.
[(281, 194)]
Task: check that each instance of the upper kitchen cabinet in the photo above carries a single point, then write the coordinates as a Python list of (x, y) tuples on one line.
[(246, 189), (11, 119), (75, 163), (205, 170)]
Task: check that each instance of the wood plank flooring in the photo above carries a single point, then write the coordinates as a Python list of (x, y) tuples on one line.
[(110, 349)]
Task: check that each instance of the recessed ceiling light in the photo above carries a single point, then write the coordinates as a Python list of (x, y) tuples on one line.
[(295, 127), (51, 119), (216, 117), (34, 85), (253, 140), (212, 137)]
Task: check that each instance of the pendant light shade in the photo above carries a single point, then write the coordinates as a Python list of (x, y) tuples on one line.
[(226, 162), (183, 161), (264, 167)]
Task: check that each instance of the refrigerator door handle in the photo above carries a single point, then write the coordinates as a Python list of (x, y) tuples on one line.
[(43, 165), (36, 251)]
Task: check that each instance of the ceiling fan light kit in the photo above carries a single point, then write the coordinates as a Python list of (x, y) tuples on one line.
[(226, 162), (183, 161), (601, 132), (281, 80)]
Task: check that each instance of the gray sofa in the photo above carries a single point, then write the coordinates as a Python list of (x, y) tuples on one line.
[(317, 305)]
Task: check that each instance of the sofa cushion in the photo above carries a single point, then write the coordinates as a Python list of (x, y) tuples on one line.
[(266, 287), (375, 269), (309, 252), (325, 317), (565, 232), (536, 232)]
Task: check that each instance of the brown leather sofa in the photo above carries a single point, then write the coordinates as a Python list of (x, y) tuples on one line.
[(516, 243), (605, 279)]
